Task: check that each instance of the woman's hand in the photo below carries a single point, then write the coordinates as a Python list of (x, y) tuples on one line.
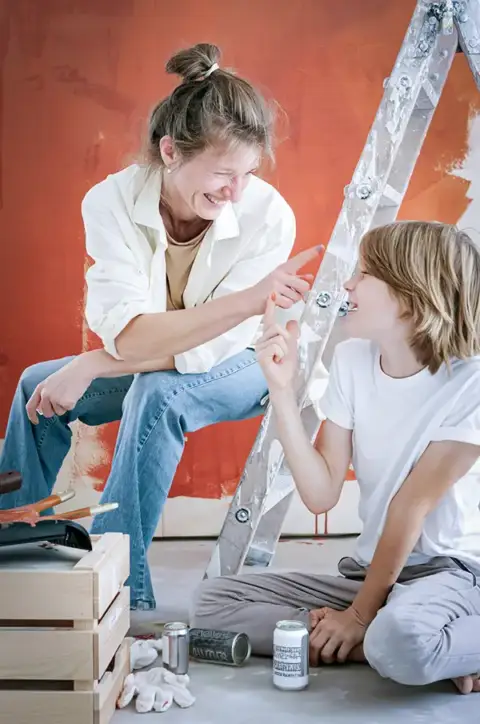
[(285, 281), (60, 392), (277, 350)]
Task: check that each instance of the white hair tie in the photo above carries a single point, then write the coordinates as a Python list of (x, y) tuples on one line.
[(212, 68)]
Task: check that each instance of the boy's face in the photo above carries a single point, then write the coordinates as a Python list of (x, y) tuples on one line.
[(376, 312)]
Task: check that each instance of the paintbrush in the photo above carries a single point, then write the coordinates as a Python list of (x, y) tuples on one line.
[(53, 500), (31, 513), (84, 512)]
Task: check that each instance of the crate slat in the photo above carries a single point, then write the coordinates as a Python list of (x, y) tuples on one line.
[(41, 582), (47, 706), (65, 654)]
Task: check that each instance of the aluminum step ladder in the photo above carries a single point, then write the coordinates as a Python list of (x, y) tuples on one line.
[(411, 94)]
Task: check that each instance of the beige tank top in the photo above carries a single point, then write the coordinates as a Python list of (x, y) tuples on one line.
[(179, 258)]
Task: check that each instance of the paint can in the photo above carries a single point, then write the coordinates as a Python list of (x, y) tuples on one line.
[(220, 647), (290, 656), (175, 640)]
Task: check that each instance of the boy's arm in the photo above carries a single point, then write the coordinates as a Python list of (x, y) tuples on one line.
[(319, 472), (439, 468)]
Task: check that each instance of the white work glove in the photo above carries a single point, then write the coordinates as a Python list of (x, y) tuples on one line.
[(156, 690), (144, 653)]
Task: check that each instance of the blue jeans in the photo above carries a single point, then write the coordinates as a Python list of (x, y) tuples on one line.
[(156, 410)]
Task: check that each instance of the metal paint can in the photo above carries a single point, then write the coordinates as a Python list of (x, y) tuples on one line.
[(175, 640), (290, 656), (220, 647)]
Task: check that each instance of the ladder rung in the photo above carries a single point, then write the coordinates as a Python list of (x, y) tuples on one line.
[(428, 97), (258, 557), (390, 197)]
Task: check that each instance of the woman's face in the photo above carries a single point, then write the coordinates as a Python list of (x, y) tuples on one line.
[(202, 185)]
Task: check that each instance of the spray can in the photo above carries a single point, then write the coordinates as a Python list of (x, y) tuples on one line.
[(175, 641), (220, 647), (290, 656)]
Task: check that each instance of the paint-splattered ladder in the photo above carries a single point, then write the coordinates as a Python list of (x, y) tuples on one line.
[(436, 32)]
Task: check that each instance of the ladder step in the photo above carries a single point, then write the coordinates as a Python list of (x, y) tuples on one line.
[(258, 557), (428, 97), (391, 197)]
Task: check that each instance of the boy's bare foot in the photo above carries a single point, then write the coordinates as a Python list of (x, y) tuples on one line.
[(467, 684)]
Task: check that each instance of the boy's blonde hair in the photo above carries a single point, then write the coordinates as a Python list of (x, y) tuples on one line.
[(433, 269)]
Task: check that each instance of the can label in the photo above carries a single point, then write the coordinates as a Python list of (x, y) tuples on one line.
[(210, 654), (291, 662), (211, 646), (223, 647)]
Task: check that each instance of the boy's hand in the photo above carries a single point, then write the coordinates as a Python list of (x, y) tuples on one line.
[(334, 634), (277, 349)]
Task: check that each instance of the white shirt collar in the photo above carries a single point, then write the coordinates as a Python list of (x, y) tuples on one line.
[(146, 209), (147, 213)]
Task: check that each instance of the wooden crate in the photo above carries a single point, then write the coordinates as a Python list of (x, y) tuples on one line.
[(64, 616), (46, 702), (40, 582)]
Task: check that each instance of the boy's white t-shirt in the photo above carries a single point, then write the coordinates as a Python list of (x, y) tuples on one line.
[(393, 421)]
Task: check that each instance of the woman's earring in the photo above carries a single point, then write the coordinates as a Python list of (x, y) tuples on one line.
[(169, 170)]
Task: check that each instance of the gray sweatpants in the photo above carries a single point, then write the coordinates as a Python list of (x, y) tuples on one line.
[(428, 630)]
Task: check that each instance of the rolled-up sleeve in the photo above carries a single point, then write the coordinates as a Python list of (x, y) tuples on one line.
[(462, 424), (265, 254), (117, 290)]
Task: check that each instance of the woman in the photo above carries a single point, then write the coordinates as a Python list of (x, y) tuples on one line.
[(403, 402), (186, 249)]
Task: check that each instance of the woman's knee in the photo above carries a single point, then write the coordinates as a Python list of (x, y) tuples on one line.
[(160, 397), (159, 387), (396, 646), (32, 376)]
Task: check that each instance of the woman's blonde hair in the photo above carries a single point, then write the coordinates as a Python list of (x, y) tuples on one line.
[(433, 269)]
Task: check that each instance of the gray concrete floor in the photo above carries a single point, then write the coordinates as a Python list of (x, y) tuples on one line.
[(336, 695)]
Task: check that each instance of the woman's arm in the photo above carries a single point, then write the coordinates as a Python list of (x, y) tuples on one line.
[(149, 336), (118, 292), (61, 391), (98, 363)]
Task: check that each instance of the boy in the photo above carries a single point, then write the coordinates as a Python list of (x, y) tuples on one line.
[(403, 404)]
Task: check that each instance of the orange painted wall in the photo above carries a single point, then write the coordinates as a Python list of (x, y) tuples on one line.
[(77, 79)]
